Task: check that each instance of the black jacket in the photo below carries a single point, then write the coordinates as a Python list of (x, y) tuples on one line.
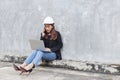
[(54, 45)]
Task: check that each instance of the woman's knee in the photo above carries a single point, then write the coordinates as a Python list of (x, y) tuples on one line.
[(40, 52), (34, 52)]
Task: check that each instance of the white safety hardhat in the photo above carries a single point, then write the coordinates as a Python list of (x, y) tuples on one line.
[(48, 20)]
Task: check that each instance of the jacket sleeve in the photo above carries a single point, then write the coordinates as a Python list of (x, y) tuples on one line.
[(59, 45), (41, 38)]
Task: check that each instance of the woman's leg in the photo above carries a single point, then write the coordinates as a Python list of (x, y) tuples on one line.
[(29, 58), (35, 61), (49, 56)]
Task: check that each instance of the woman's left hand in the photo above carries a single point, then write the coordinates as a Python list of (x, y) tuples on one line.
[(48, 49)]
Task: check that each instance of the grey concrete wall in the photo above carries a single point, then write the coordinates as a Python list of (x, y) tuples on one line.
[(90, 28)]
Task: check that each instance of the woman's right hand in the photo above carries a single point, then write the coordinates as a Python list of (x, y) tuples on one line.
[(48, 49)]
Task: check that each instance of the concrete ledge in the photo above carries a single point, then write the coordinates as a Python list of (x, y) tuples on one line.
[(16, 59), (86, 66), (73, 65)]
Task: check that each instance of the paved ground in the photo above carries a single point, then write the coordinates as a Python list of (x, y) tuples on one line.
[(49, 73)]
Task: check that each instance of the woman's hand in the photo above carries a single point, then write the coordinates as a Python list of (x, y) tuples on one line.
[(48, 49), (43, 33)]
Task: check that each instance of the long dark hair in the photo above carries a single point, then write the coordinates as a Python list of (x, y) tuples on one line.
[(53, 34)]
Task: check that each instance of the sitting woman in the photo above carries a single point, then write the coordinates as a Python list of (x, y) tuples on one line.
[(53, 44)]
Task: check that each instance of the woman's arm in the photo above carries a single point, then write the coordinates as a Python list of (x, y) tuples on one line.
[(42, 34)]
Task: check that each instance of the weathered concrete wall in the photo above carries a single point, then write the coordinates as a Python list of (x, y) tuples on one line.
[(90, 28)]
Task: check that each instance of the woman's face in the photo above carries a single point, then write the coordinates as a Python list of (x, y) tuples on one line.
[(48, 27)]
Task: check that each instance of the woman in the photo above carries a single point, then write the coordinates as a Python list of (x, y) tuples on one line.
[(53, 44)]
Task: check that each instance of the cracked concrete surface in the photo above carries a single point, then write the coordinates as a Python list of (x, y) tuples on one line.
[(74, 65), (50, 73)]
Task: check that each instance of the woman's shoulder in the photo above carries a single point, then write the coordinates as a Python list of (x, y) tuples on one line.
[(58, 32)]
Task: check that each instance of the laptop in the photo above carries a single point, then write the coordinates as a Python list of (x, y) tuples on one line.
[(37, 45)]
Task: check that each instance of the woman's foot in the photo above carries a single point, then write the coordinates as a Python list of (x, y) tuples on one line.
[(16, 67), (23, 65), (28, 68), (24, 70)]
